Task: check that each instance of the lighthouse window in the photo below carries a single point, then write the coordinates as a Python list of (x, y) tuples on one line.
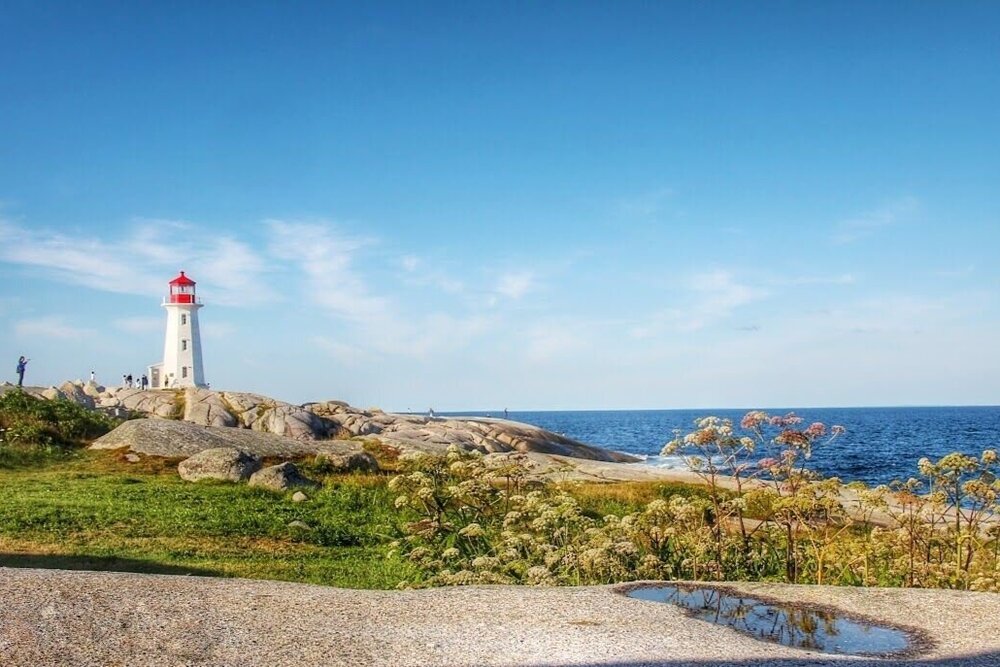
[(184, 371), (184, 344), (184, 319)]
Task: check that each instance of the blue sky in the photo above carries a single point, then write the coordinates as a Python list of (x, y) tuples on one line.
[(522, 205)]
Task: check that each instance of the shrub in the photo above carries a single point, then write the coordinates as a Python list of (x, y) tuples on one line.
[(33, 428)]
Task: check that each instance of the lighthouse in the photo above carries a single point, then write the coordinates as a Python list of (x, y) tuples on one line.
[(182, 365)]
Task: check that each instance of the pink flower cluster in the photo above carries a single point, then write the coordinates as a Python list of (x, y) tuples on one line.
[(753, 420), (788, 420)]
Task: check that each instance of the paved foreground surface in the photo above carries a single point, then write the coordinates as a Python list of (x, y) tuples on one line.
[(54, 617)]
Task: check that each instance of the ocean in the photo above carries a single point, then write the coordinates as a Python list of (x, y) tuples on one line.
[(880, 445)]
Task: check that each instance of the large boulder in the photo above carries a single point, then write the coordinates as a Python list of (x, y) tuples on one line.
[(226, 463), (173, 439), (281, 477)]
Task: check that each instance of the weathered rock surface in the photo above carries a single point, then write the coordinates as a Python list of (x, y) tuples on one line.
[(280, 477), (319, 422), (226, 463), (82, 619), (354, 462), (161, 437)]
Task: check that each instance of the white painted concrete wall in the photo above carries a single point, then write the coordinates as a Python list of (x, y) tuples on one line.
[(182, 347)]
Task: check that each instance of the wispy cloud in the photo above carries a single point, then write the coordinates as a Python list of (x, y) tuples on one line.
[(864, 225), (51, 326), (326, 256), (228, 271), (717, 294), (418, 272), (515, 284)]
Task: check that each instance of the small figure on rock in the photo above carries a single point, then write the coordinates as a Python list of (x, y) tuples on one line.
[(22, 363), (144, 382), (93, 377)]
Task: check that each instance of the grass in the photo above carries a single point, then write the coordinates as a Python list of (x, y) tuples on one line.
[(95, 511), (601, 499), (71, 508)]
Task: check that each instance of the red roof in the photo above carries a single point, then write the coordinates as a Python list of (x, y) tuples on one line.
[(182, 280)]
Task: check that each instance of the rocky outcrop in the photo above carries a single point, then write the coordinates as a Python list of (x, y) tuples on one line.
[(174, 439), (166, 404), (242, 412), (207, 408), (281, 477), (229, 464)]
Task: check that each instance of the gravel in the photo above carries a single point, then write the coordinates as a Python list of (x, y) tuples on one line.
[(54, 617)]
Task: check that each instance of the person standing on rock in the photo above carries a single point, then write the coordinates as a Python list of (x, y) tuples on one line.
[(93, 378), (22, 363), (144, 381)]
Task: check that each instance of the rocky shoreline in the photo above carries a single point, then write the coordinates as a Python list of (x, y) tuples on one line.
[(182, 422)]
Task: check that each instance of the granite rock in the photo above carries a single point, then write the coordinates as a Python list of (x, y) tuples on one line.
[(281, 477), (226, 463)]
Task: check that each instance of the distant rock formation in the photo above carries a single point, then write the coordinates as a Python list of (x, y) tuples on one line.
[(226, 414)]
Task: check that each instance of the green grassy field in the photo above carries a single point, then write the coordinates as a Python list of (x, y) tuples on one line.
[(80, 509), (92, 510)]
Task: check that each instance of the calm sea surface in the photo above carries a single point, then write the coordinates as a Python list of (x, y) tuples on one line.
[(881, 444)]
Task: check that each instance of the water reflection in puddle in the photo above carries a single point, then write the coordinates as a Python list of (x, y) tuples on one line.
[(801, 627)]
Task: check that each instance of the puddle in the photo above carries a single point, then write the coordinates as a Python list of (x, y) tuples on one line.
[(813, 628)]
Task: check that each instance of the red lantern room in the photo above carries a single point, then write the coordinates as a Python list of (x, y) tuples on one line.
[(182, 290)]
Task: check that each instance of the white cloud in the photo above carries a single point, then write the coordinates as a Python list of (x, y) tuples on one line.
[(515, 284), (716, 295), (326, 257), (409, 262), (51, 326), (228, 271), (866, 224)]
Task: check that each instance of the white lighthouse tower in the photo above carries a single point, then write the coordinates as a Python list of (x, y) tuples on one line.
[(182, 365)]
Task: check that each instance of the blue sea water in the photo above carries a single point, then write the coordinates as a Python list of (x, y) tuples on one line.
[(881, 444)]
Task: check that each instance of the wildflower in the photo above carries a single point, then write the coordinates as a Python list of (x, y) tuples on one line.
[(753, 419), (816, 430), (537, 575), (450, 553), (767, 464), (472, 530)]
